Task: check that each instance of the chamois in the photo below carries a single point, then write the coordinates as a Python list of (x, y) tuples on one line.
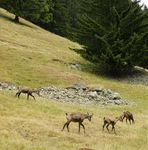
[(112, 122), (28, 92), (129, 116), (76, 117)]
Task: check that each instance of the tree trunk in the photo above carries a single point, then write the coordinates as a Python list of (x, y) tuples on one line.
[(16, 19)]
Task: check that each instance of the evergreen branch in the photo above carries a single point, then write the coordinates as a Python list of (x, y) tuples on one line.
[(125, 13), (116, 16), (106, 44), (141, 27), (101, 28)]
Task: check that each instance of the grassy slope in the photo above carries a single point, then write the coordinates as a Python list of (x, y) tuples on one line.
[(26, 53), (30, 50)]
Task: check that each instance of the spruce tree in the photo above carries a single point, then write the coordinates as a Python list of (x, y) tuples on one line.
[(114, 34), (60, 23), (65, 18), (34, 10)]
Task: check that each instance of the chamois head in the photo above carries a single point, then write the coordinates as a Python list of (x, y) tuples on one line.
[(120, 118), (89, 116), (129, 116), (37, 91)]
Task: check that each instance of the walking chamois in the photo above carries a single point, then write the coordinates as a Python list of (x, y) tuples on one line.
[(112, 122), (77, 117), (28, 92)]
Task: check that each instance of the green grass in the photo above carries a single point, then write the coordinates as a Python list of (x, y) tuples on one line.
[(31, 125), (26, 54)]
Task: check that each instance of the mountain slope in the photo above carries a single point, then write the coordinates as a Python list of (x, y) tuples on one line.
[(33, 57), (27, 53)]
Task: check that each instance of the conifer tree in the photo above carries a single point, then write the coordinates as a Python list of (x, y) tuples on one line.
[(65, 17), (114, 34), (34, 10), (60, 23)]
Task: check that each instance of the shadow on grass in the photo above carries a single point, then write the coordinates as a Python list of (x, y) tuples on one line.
[(88, 67), (138, 75), (8, 18)]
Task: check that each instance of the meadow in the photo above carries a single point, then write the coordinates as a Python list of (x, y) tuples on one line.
[(26, 59)]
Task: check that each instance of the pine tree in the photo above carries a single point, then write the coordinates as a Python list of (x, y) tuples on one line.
[(34, 10), (144, 63), (114, 34), (60, 23), (65, 14)]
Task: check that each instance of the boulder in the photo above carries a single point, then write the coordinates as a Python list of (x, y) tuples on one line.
[(115, 96), (78, 93), (93, 94), (78, 86)]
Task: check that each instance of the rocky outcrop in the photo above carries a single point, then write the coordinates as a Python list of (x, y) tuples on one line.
[(7, 86), (81, 94), (78, 93)]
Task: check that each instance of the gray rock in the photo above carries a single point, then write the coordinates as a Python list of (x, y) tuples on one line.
[(98, 89), (78, 93), (109, 91), (7, 86), (78, 86), (93, 94), (75, 66), (115, 96), (118, 102)]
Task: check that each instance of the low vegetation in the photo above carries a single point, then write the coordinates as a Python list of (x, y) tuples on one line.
[(28, 124)]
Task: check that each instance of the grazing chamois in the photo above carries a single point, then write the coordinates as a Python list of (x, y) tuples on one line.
[(76, 117), (129, 116), (28, 92), (112, 122)]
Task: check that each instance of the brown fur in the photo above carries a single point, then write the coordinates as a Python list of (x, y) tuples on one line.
[(28, 92), (129, 116), (76, 117), (112, 122)]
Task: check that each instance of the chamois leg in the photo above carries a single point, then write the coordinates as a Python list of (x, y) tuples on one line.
[(18, 95), (68, 126), (83, 127), (107, 127), (123, 118), (126, 120), (79, 127), (113, 128), (64, 126), (27, 96), (32, 96), (133, 120), (104, 126)]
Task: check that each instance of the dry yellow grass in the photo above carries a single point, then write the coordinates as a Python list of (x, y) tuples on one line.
[(26, 53), (36, 125)]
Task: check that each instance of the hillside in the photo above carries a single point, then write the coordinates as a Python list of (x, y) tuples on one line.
[(31, 51), (33, 57)]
